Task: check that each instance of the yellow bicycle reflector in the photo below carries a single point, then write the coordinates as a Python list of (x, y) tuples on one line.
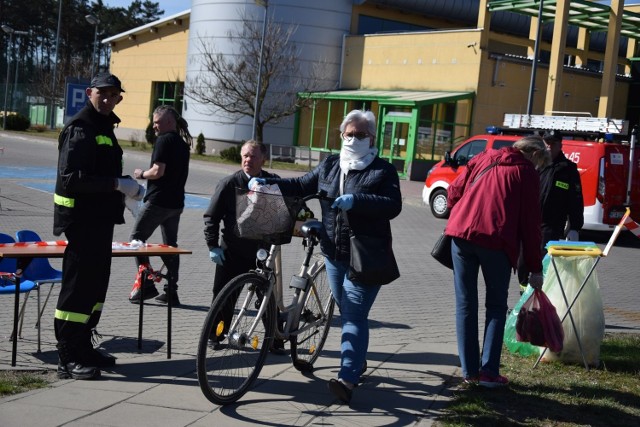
[(220, 328), (254, 342), (312, 349)]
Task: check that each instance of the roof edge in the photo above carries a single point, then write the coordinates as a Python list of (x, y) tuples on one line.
[(145, 27)]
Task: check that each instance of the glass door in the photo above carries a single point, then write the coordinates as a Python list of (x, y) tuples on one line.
[(395, 140)]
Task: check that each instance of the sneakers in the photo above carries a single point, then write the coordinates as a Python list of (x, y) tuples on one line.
[(149, 292), (491, 381), (164, 298), (340, 390), (142, 280)]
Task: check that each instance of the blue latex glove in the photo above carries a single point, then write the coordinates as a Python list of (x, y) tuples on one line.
[(217, 255), (344, 202), (256, 181)]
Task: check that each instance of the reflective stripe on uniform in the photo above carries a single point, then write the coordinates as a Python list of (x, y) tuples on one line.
[(70, 316), (63, 201), (104, 140)]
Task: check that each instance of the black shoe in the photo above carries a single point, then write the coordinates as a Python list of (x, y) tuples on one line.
[(278, 347), (340, 390), (100, 359), (77, 371), (149, 292), (175, 301)]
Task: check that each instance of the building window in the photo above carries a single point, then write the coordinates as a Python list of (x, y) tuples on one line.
[(167, 93)]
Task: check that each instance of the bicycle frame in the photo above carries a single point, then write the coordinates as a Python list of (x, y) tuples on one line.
[(272, 271)]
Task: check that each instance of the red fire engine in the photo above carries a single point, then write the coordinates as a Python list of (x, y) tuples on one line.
[(608, 164)]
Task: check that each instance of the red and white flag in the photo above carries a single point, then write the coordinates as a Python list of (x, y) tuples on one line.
[(632, 226)]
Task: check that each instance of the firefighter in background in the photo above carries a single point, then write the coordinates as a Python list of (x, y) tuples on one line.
[(88, 202), (560, 199)]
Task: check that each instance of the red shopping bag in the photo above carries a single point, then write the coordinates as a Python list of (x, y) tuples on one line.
[(551, 325), (538, 323)]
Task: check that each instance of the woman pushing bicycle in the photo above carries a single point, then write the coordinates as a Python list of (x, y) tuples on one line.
[(367, 196)]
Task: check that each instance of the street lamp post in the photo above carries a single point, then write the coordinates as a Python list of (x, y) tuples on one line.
[(7, 29), (264, 3), (93, 21)]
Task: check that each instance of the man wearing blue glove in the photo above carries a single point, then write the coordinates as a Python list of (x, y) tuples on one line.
[(88, 202), (231, 254)]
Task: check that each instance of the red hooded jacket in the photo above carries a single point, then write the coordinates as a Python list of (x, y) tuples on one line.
[(501, 209)]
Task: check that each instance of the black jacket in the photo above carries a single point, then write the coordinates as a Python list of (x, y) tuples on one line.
[(89, 161), (377, 200), (222, 207), (561, 196)]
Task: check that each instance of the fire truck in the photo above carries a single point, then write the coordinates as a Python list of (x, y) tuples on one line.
[(608, 163)]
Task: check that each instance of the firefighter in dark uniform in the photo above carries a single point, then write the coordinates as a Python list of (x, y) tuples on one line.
[(560, 198), (88, 202)]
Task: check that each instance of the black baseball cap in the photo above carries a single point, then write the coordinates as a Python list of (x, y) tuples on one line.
[(552, 135), (106, 80)]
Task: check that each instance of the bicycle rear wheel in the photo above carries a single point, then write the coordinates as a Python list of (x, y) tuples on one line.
[(314, 322), (230, 353)]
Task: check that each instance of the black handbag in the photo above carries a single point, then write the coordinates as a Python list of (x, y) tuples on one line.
[(442, 251), (372, 260)]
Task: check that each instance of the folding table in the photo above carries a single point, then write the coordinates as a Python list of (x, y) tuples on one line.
[(25, 252)]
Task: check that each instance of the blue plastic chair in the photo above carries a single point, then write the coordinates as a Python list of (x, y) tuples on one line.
[(39, 270), (8, 287)]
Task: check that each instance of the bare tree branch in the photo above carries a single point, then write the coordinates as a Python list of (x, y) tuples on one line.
[(227, 83)]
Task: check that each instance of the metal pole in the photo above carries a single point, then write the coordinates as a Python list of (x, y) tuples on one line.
[(6, 87), (55, 69), (534, 64), (15, 80), (258, 88), (93, 55)]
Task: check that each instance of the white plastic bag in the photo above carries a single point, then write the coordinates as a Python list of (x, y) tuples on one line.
[(587, 311), (134, 204), (262, 213)]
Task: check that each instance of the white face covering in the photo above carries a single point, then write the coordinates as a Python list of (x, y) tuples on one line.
[(356, 154)]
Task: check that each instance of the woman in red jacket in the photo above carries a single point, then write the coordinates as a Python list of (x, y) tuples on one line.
[(494, 210)]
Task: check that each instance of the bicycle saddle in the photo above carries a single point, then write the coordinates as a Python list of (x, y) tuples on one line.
[(311, 228)]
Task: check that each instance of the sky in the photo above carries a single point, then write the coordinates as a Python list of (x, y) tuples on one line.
[(170, 7)]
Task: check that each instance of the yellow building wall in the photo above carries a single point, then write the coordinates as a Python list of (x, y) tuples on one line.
[(150, 57), (504, 88), (435, 61)]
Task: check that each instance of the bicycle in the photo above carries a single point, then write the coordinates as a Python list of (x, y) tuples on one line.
[(240, 326)]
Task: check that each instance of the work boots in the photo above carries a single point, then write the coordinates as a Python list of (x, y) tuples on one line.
[(72, 365)]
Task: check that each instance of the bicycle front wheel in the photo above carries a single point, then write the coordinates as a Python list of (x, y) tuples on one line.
[(309, 337), (234, 342)]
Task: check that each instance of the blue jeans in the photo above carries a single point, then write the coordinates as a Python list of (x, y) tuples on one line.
[(468, 258), (354, 301), (151, 217)]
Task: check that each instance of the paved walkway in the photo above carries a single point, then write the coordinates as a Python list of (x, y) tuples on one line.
[(412, 358)]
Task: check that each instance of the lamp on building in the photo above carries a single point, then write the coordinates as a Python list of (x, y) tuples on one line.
[(7, 29), (93, 21), (265, 4)]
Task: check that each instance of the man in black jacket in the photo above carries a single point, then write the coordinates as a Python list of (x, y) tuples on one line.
[(231, 254), (88, 202), (560, 198)]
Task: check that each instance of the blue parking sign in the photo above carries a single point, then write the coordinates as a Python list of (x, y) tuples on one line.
[(75, 98)]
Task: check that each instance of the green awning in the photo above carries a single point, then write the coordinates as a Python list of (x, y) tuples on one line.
[(388, 97), (586, 14)]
